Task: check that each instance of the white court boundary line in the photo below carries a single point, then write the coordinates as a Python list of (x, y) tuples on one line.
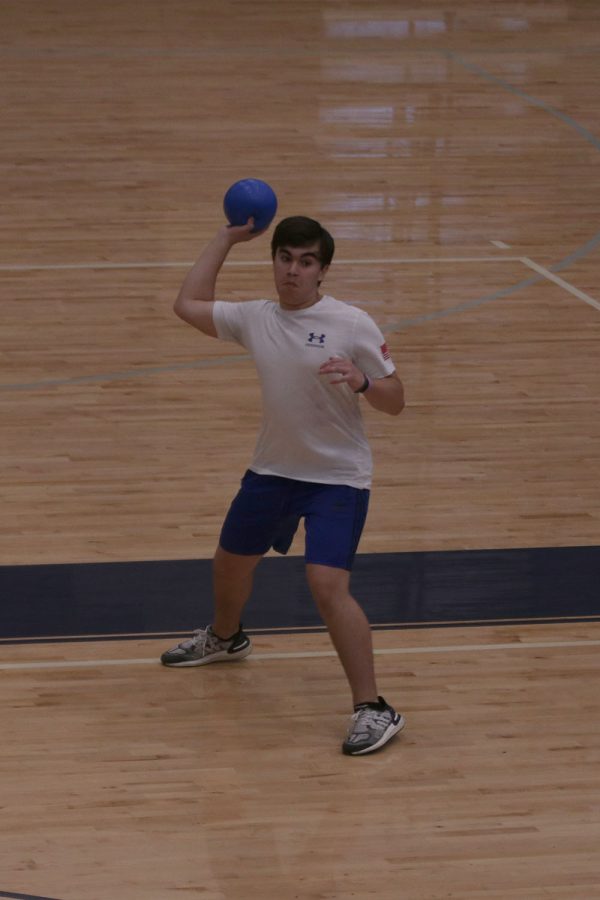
[(550, 276), (310, 654), (524, 260), (541, 273), (58, 267)]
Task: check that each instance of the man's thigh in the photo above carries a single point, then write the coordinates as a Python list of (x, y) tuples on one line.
[(252, 522), (334, 521)]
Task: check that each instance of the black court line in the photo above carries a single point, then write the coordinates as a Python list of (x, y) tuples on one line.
[(317, 629), (157, 599), (25, 896)]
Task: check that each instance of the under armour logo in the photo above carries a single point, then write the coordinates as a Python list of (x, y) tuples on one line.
[(312, 337)]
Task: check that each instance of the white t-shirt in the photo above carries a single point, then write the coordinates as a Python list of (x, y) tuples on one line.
[(311, 430)]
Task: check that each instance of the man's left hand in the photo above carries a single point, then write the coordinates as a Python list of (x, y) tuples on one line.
[(345, 370)]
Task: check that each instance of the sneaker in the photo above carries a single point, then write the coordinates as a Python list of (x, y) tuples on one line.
[(371, 728), (205, 647)]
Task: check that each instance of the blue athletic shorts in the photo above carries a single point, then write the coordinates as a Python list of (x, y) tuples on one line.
[(267, 510)]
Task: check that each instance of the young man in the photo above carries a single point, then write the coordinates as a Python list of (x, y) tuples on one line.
[(315, 357)]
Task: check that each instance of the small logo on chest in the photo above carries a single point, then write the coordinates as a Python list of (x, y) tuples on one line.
[(315, 340)]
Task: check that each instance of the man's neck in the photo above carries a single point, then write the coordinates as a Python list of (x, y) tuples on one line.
[(293, 306)]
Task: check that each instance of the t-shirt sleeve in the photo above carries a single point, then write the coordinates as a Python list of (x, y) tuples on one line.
[(371, 354), (228, 319)]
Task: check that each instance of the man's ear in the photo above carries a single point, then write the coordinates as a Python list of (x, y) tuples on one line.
[(324, 271)]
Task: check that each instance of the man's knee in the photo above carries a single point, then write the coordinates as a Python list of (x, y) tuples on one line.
[(233, 566), (328, 586)]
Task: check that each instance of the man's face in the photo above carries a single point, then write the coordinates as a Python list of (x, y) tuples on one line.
[(297, 272)]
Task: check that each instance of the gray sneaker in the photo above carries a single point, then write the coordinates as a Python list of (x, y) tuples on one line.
[(372, 728), (205, 647)]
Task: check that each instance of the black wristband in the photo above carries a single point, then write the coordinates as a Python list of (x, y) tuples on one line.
[(364, 386)]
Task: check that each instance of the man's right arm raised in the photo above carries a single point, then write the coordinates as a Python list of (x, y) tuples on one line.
[(196, 297)]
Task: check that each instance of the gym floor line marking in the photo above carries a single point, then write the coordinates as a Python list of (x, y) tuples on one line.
[(529, 98), (32, 267), (302, 630), (550, 276), (391, 328), (581, 251), (311, 654), (12, 896), (78, 51), (126, 375)]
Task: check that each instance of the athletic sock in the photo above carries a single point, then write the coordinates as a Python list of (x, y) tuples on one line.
[(380, 705), (224, 640)]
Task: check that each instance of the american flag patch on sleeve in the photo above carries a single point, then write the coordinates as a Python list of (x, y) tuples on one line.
[(385, 352)]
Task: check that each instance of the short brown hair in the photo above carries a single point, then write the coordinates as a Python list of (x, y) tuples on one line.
[(300, 231)]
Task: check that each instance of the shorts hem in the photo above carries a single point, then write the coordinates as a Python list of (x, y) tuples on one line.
[(329, 564), (360, 486)]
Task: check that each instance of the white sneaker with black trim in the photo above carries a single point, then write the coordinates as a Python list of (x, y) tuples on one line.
[(371, 728), (205, 647)]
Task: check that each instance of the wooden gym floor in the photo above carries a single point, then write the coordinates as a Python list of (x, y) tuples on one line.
[(452, 150)]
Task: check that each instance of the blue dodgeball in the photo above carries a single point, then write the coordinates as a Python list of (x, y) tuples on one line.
[(250, 197)]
